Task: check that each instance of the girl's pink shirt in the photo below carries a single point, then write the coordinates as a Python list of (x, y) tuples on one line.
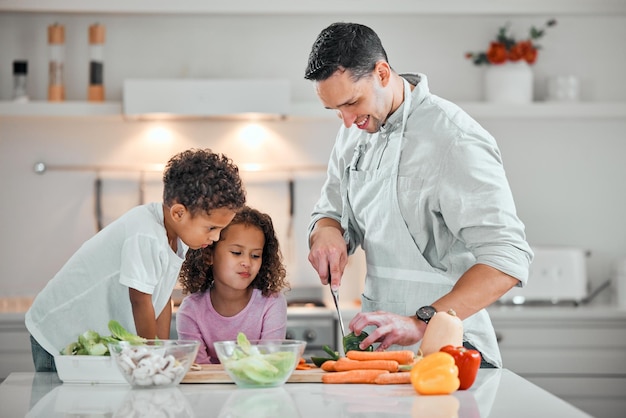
[(263, 318)]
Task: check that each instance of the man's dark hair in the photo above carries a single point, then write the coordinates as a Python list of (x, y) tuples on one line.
[(349, 46)]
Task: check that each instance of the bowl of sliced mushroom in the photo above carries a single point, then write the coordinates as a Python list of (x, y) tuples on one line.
[(154, 363)]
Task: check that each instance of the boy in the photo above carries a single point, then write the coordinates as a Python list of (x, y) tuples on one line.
[(128, 270)]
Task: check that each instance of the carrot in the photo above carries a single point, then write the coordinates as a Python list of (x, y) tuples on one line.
[(353, 376), (329, 366), (398, 378), (305, 366), (402, 356), (345, 364)]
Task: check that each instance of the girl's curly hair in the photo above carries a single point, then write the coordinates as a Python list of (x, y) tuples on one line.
[(196, 274), (202, 181)]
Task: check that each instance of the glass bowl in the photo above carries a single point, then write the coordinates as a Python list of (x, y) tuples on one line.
[(266, 363), (155, 363)]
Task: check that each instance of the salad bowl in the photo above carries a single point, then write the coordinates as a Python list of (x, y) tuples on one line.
[(259, 363)]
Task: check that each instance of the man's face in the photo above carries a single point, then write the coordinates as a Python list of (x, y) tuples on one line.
[(365, 103)]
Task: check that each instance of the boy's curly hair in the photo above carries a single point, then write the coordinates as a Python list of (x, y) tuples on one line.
[(202, 181), (196, 274)]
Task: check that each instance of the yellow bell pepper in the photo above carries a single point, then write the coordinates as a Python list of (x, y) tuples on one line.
[(435, 374)]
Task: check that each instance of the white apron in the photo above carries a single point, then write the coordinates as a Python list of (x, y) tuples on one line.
[(399, 279)]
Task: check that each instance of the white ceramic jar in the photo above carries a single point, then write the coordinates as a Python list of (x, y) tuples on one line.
[(510, 82)]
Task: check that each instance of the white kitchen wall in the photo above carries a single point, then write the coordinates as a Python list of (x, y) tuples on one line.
[(568, 179), (57, 211), (566, 174)]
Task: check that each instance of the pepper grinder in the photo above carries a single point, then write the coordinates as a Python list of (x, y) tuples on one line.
[(96, 63), (56, 52), (20, 71)]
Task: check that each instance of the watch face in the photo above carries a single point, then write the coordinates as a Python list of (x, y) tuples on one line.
[(425, 313)]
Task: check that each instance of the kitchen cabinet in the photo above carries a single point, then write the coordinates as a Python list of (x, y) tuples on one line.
[(450, 7), (15, 355), (480, 110), (578, 354)]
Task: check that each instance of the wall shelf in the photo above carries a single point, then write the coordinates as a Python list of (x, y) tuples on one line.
[(67, 108), (548, 110), (538, 110), (282, 7), (483, 110)]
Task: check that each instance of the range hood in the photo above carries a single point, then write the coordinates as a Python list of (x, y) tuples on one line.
[(206, 98)]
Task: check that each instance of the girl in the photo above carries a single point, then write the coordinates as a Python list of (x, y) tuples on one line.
[(235, 286)]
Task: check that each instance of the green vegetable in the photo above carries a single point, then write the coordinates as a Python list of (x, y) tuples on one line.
[(334, 355), (243, 345), (90, 343), (318, 361), (351, 342), (253, 368), (121, 334), (88, 338), (71, 349)]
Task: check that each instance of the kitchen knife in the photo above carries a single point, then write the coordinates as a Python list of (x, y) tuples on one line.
[(335, 294)]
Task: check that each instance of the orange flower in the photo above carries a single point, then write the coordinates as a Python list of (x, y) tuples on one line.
[(506, 48), (530, 55), (496, 54), (516, 52), (523, 50)]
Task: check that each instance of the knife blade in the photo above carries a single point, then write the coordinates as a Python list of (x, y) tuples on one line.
[(335, 294)]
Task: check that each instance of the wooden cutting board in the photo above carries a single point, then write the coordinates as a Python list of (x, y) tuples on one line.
[(215, 373)]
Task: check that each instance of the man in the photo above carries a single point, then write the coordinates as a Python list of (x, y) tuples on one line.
[(420, 186)]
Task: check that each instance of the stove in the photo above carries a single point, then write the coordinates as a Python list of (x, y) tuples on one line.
[(315, 324)]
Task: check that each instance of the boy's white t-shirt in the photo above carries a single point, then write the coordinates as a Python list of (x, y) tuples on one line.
[(92, 287)]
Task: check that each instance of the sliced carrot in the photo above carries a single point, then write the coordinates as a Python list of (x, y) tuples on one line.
[(398, 378), (353, 376), (329, 366), (302, 360), (345, 364), (305, 366), (402, 356)]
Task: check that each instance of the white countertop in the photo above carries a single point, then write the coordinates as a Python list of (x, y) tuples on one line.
[(496, 393)]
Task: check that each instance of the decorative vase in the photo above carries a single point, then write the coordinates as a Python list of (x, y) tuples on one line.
[(511, 82)]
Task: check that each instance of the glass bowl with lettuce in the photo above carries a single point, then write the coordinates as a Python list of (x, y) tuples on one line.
[(259, 363)]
